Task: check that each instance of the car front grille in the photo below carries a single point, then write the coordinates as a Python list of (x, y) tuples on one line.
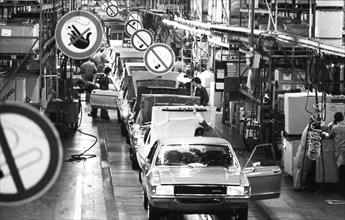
[(201, 190)]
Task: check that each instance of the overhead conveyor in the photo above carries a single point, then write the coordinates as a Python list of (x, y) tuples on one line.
[(197, 27)]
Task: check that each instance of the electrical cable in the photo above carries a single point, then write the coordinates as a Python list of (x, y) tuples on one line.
[(319, 64), (82, 156)]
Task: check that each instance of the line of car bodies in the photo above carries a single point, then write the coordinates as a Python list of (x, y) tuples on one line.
[(179, 170)]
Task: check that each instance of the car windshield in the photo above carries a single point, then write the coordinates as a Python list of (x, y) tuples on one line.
[(194, 155)]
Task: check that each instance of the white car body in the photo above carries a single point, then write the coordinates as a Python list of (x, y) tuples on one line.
[(173, 121)]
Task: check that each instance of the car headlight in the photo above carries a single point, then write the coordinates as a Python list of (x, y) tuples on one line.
[(163, 190), (235, 191)]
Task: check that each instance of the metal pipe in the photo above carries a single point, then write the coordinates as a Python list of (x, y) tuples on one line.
[(252, 16), (206, 29)]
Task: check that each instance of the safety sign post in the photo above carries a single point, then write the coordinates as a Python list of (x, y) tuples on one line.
[(132, 26), (30, 154), (159, 58), (79, 34), (142, 39)]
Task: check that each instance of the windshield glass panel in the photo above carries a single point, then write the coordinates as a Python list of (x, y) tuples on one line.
[(194, 155)]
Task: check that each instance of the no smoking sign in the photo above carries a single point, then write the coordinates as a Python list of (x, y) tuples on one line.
[(142, 39), (132, 26), (159, 58), (30, 154), (112, 10)]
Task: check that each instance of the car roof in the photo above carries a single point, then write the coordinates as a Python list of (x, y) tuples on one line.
[(192, 140)]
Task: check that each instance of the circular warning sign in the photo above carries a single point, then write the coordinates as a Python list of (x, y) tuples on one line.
[(79, 34), (30, 154), (112, 10), (113, 2), (132, 26), (134, 16), (104, 5), (142, 39), (159, 58)]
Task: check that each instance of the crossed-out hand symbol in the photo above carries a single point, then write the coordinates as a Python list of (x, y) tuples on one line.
[(77, 38)]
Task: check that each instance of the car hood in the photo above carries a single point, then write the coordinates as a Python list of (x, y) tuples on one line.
[(203, 175)]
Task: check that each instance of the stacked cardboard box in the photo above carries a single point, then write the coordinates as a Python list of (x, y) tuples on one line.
[(289, 79), (10, 41), (32, 89), (14, 89)]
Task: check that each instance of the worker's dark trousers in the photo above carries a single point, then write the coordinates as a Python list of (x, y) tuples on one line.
[(342, 179)]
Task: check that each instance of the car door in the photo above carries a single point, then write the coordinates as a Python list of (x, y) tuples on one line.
[(144, 147), (134, 125), (263, 173), (146, 166)]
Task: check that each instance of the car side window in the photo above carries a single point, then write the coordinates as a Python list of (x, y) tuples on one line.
[(263, 155), (147, 136), (152, 152)]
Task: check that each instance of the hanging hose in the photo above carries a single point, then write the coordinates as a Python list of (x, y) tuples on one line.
[(313, 148), (314, 144), (314, 133)]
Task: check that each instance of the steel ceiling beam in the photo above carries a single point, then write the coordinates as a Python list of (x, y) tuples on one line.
[(208, 28)]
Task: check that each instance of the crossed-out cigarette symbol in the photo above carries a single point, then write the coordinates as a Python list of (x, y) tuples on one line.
[(16, 161)]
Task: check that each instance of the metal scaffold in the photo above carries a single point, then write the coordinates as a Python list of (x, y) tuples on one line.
[(28, 51)]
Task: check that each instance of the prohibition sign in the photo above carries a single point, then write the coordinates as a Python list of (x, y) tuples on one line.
[(30, 154), (132, 25), (112, 10), (134, 16), (79, 34), (142, 39), (159, 58), (104, 5), (113, 2)]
